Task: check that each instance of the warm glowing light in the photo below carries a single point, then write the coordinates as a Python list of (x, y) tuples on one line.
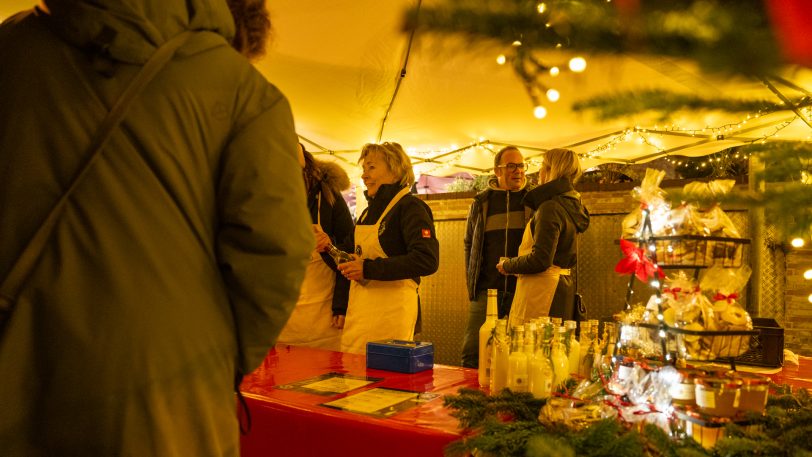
[(797, 242), (517, 43), (577, 64), (555, 71), (809, 298), (553, 95), (501, 59), (808, 274), (542, 7), (540, 112)]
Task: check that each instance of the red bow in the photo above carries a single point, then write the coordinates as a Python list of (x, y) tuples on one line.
[(673, 291), (636, 262), (730, 298)]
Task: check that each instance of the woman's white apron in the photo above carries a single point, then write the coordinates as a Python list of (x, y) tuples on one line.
[(534, 292), (380, 309), (310, 323)]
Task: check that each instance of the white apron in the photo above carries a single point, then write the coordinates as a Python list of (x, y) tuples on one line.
[(309, 324), (534, 292), (381, 309)]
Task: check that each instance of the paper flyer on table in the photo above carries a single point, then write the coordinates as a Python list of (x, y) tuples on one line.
[(330, 384), (381, 402)]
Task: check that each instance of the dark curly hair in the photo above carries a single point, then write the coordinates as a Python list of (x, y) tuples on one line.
[(253, 27)]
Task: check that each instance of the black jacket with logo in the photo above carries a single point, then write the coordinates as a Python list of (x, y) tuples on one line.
[(406, 234)]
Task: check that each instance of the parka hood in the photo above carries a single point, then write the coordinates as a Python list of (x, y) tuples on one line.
[(332, 178), (562, 190), (131, 30)]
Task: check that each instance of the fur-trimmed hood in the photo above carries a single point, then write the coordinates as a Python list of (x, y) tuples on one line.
[(332, 178)]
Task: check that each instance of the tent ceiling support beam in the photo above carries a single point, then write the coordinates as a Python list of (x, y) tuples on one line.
[(787, 102), (401, 76)]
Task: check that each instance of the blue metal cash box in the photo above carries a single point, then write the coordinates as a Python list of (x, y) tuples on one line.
[(399, 355)]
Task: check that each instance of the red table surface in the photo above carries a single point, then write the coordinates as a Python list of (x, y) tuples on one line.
[(288, 423), (795, 375)]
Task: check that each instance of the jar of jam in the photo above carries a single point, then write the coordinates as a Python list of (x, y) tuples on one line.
[(755, 389), (683, 392), (718, 396)]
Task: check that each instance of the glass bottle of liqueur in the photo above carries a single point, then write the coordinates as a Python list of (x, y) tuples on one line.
[(340, 256), (530, 338), (574, 347), (540, 366), (592, 351), (486, 339), (584, 344), (499, 357), (558, 355), (517, 361)]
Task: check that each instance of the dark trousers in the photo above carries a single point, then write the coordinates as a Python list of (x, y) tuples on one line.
[(476, 317)]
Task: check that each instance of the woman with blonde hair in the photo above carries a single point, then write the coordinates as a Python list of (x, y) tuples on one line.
[(548, 251), (395, 244)]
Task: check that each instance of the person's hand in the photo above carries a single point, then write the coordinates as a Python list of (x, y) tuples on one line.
[(354, 270), (322, 239), (499, 266), (338, 321)]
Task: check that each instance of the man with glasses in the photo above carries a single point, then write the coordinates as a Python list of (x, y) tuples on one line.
[(495, 225)]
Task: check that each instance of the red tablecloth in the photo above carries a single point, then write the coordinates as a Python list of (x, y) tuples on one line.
[(288, 423), (795, 375)]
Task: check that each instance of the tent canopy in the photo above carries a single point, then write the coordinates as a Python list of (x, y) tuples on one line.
[(341, 62), (353, 76)]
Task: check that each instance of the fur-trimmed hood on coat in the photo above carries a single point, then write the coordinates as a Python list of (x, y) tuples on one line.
[(332, 179)]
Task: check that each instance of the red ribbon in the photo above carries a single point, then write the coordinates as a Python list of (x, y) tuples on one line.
[(730, 298), (636, 262), (672, 290)]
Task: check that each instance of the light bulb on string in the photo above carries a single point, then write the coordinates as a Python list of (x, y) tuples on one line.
[(808, 274), (540, 112), (501, 59), (541, 7), (554, 71), (553, 95), (797, 242), (577, 64)]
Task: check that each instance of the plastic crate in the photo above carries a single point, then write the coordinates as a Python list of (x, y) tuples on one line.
[(766, 348)]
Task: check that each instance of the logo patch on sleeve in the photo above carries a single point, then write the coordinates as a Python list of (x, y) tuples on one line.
[(426, 233)]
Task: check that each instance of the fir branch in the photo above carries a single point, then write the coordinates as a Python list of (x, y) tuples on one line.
[(633, 102), (722, 36)]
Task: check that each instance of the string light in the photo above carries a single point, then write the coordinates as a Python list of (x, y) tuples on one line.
[(554, 71), (577, 64), (797, 242), (542, 7), (540, 112), (808, 274), (501, 59), (553, 95)]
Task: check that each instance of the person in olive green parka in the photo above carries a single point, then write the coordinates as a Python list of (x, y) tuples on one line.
[(167, 275)]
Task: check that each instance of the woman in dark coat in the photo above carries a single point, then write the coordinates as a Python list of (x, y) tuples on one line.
[(548, 252), (318, 317)]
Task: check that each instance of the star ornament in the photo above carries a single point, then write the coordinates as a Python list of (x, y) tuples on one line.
[(635, 262)]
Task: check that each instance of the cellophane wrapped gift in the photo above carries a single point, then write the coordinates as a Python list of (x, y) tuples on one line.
[(725, 286), (651, 196), (701, 215), (695, 313)]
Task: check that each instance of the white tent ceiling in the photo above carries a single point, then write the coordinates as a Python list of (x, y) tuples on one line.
[(339, 62)]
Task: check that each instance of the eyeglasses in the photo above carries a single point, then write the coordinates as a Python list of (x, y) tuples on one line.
[(513, 166)]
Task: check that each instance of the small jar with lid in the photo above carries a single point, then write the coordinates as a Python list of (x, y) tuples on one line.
[(755, 389), (718, 396), (683, 392)]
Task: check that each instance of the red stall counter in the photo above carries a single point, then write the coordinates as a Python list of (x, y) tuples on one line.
[(289, 418)]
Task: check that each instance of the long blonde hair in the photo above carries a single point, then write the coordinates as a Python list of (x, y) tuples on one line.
[(395, 158), (562, 163)]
